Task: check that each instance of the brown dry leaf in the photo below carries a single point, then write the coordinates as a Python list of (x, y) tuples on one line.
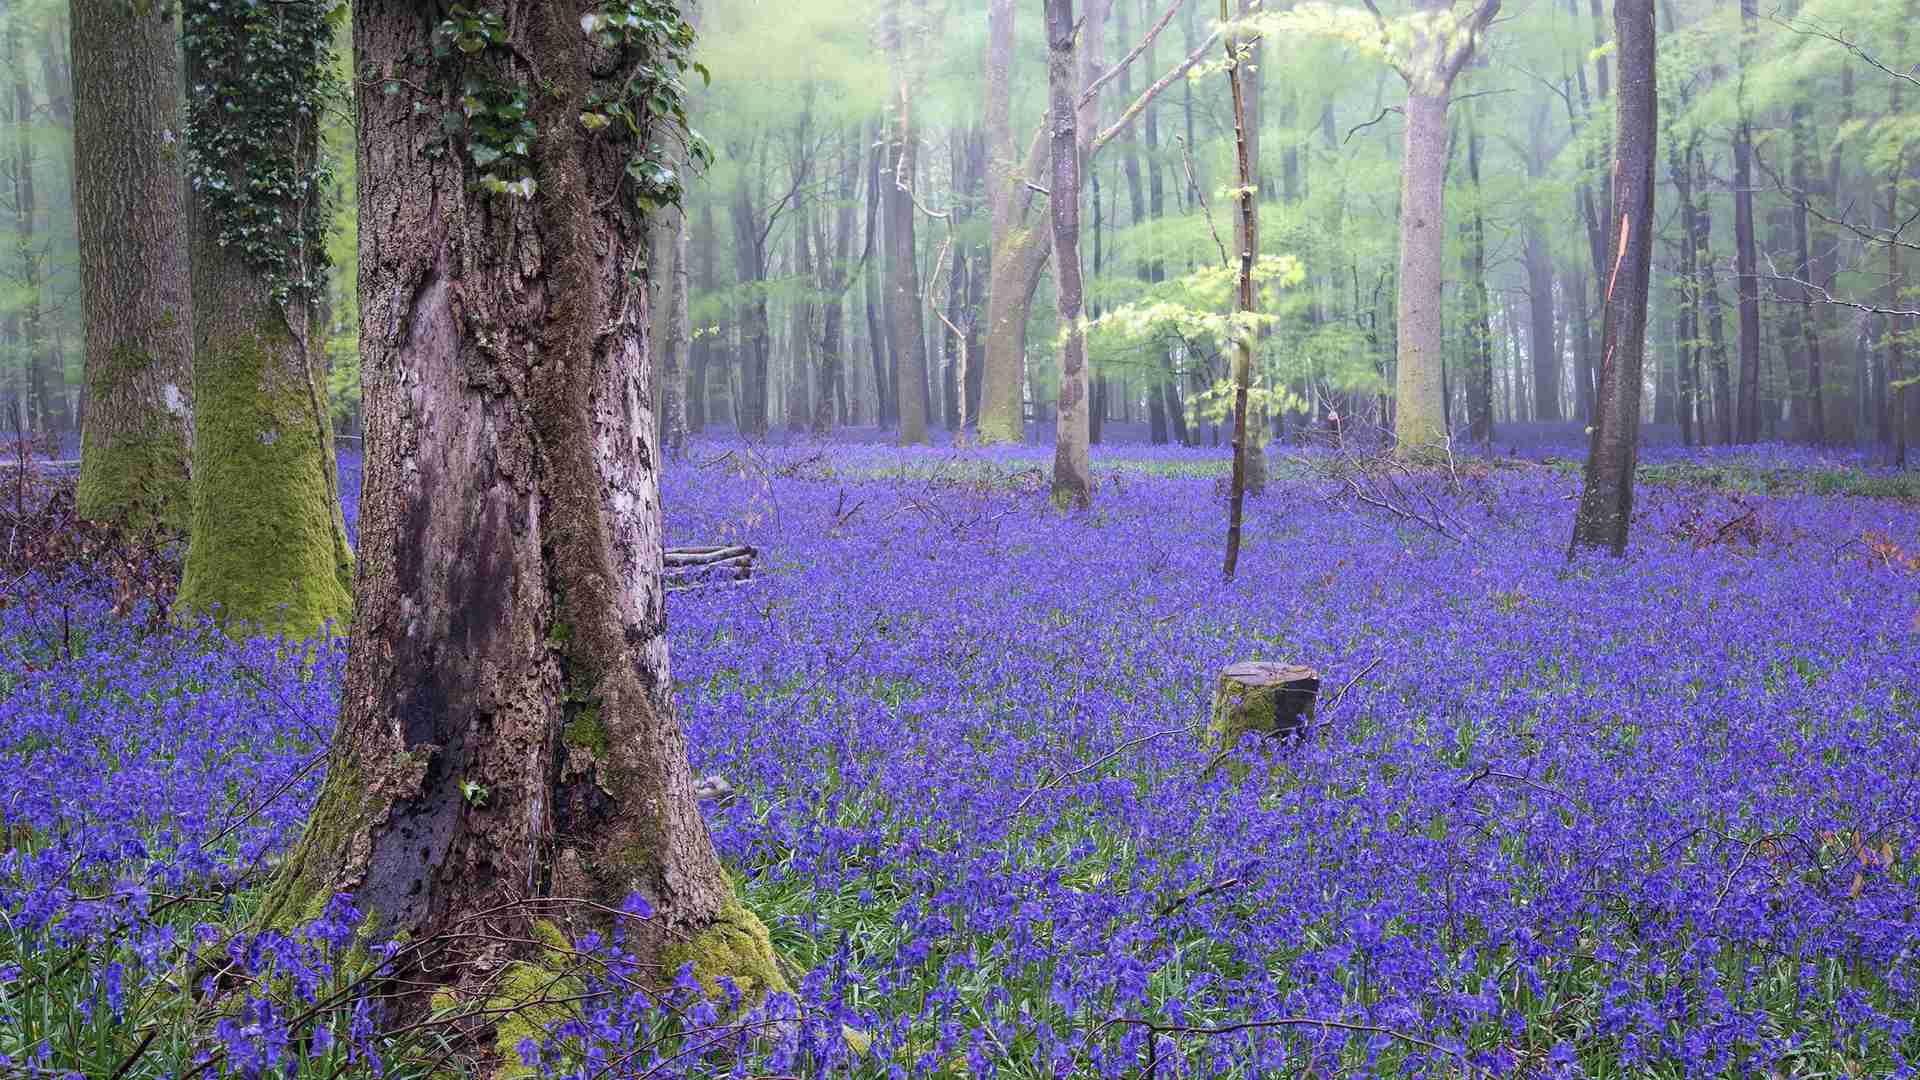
[(1859, 882)]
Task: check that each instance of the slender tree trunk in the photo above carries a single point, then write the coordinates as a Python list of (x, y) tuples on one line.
[(1606, 501), (1813, 407), (46, 387), (884, 415), (1893, 426), (1072, 470), (903, 267), (673, 360), (1479, 373), (510, 632), (1687, 288), (1747, 426), (267, 546), (1243, 301), (130, 205), (800, 368)]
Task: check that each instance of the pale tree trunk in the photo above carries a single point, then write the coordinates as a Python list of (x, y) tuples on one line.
[(267, 547), (1606, 500), (46, 386), (1747, 420), (903, 266), (130, 205), (673, 364), (1813, 323), (1538, 261), (799, 375), (1251, 81), (750, 264), (1479, 330), (1893, 418), (1019, 251), (510, 634), (1434, 59)]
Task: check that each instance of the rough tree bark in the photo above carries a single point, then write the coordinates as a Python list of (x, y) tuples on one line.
[(267, 548), (510, 635), (130, 201), (1606, 499), (1072, 469)]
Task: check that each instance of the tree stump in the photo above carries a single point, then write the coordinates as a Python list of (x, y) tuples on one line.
[(1274, 699)]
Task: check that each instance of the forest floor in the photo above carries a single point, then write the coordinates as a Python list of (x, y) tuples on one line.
[(1657, 816)]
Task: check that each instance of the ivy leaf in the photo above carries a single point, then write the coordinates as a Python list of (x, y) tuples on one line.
[(484, 155), (591, 22), (593, 121)]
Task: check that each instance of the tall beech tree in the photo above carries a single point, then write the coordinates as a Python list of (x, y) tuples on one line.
[(130, 204), (1430, 49), (267, 546), (509, 638), (1606, 498)]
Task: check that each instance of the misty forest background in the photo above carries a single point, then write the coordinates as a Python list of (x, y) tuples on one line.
[(850, 149)]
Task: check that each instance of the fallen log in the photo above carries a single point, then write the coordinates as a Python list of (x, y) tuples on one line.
[(699, 567)]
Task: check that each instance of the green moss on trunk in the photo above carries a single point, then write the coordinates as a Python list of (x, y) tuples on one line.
[(268, 550), (139, 480)]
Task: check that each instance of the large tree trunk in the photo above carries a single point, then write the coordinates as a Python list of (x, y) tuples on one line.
[(1072, 470), (1606, 500), (510, 635), (130, 205), (267, 547)]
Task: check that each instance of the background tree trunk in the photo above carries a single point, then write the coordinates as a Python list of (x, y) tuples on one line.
[(1747, 417), (268, 546), (130, 205)]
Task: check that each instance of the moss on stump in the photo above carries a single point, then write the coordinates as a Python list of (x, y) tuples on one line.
[(1276, 700)]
